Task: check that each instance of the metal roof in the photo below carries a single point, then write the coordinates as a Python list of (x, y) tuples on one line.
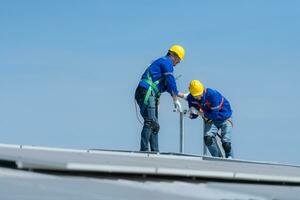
[(30, 172)]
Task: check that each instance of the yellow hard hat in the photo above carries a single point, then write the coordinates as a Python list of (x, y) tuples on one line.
[(196, 88), (179, 50)]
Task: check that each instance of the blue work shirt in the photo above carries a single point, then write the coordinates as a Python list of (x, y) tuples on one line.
[(161, 68), (214, 106)]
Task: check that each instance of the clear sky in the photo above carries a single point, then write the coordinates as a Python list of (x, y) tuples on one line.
[(69, 69)]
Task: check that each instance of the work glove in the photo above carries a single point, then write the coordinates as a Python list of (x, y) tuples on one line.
[(194, 111), (177, 105), (185, 95)]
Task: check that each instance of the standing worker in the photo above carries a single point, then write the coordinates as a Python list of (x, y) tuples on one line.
[(216, 111), (157, 79)]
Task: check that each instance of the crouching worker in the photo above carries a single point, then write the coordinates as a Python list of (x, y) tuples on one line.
[(216, 112)]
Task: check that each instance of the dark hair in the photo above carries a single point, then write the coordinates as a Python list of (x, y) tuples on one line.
[(171, 53)]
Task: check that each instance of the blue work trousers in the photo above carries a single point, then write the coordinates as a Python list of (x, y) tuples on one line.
[(211, 131), (149, 111)]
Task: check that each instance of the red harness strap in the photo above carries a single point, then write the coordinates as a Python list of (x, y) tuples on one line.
[(219, 107)]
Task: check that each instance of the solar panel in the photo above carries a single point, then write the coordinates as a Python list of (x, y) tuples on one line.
[(41, 158)]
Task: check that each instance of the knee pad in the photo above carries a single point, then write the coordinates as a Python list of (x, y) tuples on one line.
[(152, 124), (226, 146), (208, 140), (148, 123), (155, 126)]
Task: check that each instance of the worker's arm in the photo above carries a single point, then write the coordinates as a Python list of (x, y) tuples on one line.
[(167, 71), (172, 87), (182, 95), (194, 112)]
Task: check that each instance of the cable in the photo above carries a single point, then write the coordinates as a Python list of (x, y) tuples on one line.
[(136, 112), (178, 77)]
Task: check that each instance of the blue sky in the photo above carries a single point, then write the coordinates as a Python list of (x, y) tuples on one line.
[(68, 71)]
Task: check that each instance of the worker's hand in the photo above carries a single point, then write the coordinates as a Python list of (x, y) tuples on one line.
[(177, 105), (194, 111), (201, 113), (185, 95), (182, 95)]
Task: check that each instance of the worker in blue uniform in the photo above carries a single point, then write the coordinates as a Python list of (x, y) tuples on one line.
[(156, 79), (216, 111)]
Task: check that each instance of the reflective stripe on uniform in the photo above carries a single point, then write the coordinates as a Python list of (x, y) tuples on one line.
[(168, 73)]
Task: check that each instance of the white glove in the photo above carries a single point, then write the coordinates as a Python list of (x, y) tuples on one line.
[(185, 95), (194, 111), (177, 105)]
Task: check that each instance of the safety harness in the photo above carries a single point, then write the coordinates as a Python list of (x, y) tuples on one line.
[(153, 89), (219, 107)]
